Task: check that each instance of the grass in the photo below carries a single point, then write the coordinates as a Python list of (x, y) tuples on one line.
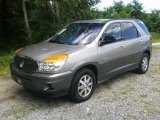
[(150, 110), (89, 114), (124, 91), (5, 60), (155, 37), (19, 111)]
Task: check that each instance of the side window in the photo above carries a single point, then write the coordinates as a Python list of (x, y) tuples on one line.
[(130, 31), (143, 26), (112, 33)]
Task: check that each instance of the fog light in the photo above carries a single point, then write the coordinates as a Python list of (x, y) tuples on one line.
[(49, 87), (19, 81)]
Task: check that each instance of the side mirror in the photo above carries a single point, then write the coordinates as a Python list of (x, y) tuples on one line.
[(107, 39), (101, 42)]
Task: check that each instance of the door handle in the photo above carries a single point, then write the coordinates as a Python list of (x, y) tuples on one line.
[(141, 40), (122, 46)]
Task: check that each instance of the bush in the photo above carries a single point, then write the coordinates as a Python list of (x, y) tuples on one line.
[(5, 60), (155, 36)]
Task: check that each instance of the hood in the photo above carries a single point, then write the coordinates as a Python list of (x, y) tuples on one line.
[(43, 50)]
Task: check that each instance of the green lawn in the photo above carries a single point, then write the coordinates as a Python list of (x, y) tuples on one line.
[(5, 60)]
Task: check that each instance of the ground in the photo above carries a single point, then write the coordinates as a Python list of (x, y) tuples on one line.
[(128, 96)]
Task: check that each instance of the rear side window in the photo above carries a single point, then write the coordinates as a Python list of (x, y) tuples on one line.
[(143, 26), (130, 31)]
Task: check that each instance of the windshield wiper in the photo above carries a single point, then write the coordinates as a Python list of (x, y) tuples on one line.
[(52, 41), (74, 44)]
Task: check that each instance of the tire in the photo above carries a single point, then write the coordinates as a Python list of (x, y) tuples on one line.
[(143, 66), (82, 86)]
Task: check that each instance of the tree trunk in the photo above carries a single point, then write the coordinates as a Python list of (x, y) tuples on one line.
[(26, 20), (0, 19), (52, 6), (57, 8)]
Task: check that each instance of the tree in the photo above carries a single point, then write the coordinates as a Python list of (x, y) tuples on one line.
[(154, 20), (137, 9), (55, 7), (31, 21), (0, 20), (48, 16), (13, 25), (118, 10)]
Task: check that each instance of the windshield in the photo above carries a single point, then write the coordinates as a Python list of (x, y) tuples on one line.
[(77, 33)]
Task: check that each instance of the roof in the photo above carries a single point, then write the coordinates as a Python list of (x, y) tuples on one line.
[(102, 20), (93, 21)]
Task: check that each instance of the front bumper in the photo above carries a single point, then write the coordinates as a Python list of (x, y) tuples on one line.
[(50, 84)]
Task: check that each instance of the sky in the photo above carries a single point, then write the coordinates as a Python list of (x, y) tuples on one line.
[(148, 5)]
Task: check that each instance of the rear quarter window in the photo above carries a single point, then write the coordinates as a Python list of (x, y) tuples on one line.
[(143, 26)]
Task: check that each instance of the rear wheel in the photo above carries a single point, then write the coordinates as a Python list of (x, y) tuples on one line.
[(144, 64), (83, 85)]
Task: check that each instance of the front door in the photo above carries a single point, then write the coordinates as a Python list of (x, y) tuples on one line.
[(111, 51)]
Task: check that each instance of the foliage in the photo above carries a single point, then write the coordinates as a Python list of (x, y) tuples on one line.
[(5, 60), (155, 37), (12, 23), (47, 16), (134, 10)]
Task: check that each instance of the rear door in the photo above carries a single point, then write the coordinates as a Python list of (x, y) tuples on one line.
[(133, 45)]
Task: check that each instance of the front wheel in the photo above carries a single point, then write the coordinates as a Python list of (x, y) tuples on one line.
[(82, 85), (144, 64)]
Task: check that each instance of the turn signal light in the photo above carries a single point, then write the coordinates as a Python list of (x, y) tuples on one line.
[(18, 50), (56, 58)]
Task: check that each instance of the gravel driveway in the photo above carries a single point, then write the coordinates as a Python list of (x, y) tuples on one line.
[(128, 96)]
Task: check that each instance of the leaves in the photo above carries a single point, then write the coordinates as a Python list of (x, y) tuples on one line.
[(134, 10), (46, 17)]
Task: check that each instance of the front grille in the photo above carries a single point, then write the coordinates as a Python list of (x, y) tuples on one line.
[(25, 63)]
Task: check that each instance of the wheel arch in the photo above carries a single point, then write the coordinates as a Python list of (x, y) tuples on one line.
[(148, 52), (93, 66)]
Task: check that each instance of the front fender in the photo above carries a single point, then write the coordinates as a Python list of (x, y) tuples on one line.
[(83, 64)]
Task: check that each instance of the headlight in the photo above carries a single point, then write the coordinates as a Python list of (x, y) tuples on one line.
[(43, 66), (53, 63)]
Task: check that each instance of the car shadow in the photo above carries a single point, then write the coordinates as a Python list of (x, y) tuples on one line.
[(29, 96), (38, 101), (108, 83)]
